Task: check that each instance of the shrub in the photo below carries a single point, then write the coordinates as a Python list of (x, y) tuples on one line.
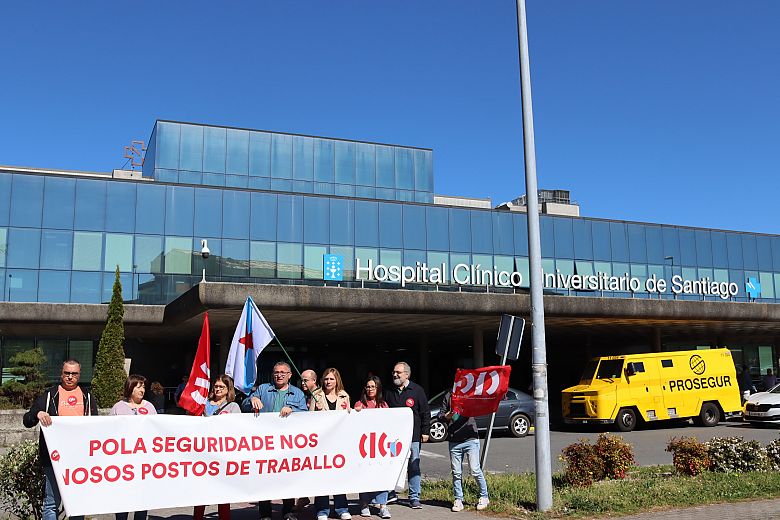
[(689, 456), (21, 481), (583, 464), (617, 455), (110, 373), (733, 454), (773, 452), (28, 383)]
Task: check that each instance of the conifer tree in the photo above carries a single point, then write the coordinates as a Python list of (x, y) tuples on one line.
[(110, 375)]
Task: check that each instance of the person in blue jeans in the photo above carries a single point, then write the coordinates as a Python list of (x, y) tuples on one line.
[(463, 443)]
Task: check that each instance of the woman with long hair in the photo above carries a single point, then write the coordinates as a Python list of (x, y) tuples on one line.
[(372, 396), (332, 398)]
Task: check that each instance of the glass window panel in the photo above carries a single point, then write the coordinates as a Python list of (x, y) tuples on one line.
[(602, 250), (56, 249), (764, 246), (721, 275), (236, 181), (214, 149), (385, 193), (583, 268), (148, 254), (639, 271), (11, 348), (87, 251), (367, 223), (687, 247), (776, 253), (22, 285), (365, 164), (385, 168), (208, 212), (655, 244), (520, 226), (303, 158), (281, 185), (259, 154), (548, 266), (481, 232), (436, 259), (749, 252), (563, 232), (150, 211), (212, 264), (412, 256), (171, 176), (5, 197), (437, 228), (362, 256), (290, 223), (342, 222), (390, 257), (281, 156), (365, 192), (777, 283), (503, 233), (263, 219), (637, 243), (565, 266), (55, 352), (583, 239), (620, 269), (671, 244), (85, 287), (734, 243), (345, 162), (259, 183), (348, 267), (23, 248), (213, 179), (262, 259), (404, 169), (120, 206), (119, 252), (460, 230), (289, 261), (235, 214), (404, 195), (414, 226), (3, 246), (191, 148), (312, 261), (235, 258), (27, 200), (423, 170), (323, 160), (125, 280), (344, 190), (178, 253), (547, 236), (720, 256), (90, 205), (83, 351), (179, 210), (58, 203), (167, 145), (703, 248), (603, 267), (316, 212), (618, 242), (326, 188), (391, 225), (522, 266), (504, 263), (237, 152), (657, 271)]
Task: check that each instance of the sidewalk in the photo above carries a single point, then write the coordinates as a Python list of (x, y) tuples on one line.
[(759, 510)]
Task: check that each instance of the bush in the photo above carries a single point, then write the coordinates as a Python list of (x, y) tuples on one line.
[(583, 464), (617, 454), (21, 481), (28, 383), (733, 454), (773, 452), (689, 456), (110, 376)]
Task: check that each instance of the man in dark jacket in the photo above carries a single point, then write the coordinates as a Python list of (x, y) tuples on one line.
[(65, 399), (464, 440), (411, 395)]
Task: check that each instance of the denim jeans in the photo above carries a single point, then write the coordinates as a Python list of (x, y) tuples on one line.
[(322, 504), (414, 473), (51, 497), (470, 449), (378, 497)]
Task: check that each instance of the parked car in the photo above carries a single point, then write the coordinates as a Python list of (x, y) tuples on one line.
[(515, 413), (763, 407)]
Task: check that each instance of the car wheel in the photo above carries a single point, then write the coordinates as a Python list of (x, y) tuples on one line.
[(438, 431), (626, 420), (520, 425), (709, 415)]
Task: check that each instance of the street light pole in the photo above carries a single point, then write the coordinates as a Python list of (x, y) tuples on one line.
[(539, 355)]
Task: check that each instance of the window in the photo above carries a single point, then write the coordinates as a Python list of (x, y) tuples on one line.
[(179, 210), (5, 197), (312, 261), (119, 252), (290, 220), (178, 251), (214, 149), (316, 212), (150, 211), (90, 205), (365, 164), (303, 158), (404, 169), (235, 258), (56, 249), (289, 260), (667, 363), (54, 286), (85, 287), (385, 168), (564, 237), (637, 243), (26, 200), (423, 170), (262, 259), (601, 241), (259, 154), (58, 203), (618, 242), (323, 160), (345, 162), (190, 149), (87, 251), (342, 222), (23, 248), (503, 234), (149, 254), (263, 218), (235, 213), (366, 223), (237, 161), (168, 145), (120, 206), (414, 226), (208, 212), (281, 156), (481, 232), (437, 228)]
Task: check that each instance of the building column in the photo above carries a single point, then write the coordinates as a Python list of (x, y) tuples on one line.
[(478, 348), (422, 371)]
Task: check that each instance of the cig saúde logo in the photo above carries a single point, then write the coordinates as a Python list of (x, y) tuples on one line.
[(372, 447)]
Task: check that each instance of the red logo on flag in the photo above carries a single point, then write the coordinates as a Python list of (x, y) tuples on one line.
[(55, 455), (410, 402), (72, 400), (143, 411), (193, 398), (378, 447), (478, 392)]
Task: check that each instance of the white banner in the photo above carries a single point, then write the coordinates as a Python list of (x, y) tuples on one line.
[(130, 463)]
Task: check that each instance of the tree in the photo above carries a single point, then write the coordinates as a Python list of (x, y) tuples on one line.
[(110, 373), (28, 383)]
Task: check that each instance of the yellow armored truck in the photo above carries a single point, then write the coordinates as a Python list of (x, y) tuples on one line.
[(697, 384)]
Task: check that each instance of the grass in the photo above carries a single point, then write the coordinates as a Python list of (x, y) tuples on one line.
[(645, 489)]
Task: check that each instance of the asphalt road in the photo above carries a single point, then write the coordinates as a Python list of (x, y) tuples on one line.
[(510, 455)]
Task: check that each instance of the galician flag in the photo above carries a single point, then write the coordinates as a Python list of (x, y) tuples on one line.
[(193, 398), (252, 335)]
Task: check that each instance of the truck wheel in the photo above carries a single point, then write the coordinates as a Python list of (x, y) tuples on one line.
[(626, 420), (709, 415)]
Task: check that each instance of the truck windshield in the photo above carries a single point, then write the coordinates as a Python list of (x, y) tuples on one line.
[(610, 369), (589, 372)]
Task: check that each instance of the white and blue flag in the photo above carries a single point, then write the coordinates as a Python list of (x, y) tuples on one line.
[(333, 267), (252, 335)]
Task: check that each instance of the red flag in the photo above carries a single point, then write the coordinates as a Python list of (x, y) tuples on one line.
[(193, 398), (479, 391)]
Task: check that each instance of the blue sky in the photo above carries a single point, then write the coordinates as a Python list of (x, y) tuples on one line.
[(648, 111)]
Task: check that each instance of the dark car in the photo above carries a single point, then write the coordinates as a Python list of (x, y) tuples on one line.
[(515, 413)]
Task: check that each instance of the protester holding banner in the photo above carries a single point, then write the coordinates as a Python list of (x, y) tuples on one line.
[(411, 395), (220, 401), (463, 441), (67, 398), (333, 397), (372, 396), (284, 399)]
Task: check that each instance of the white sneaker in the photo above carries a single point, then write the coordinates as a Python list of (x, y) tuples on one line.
[(365, 511), (384, 512), (346, 516), (322, 517), (483, 503), (457, 505)]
